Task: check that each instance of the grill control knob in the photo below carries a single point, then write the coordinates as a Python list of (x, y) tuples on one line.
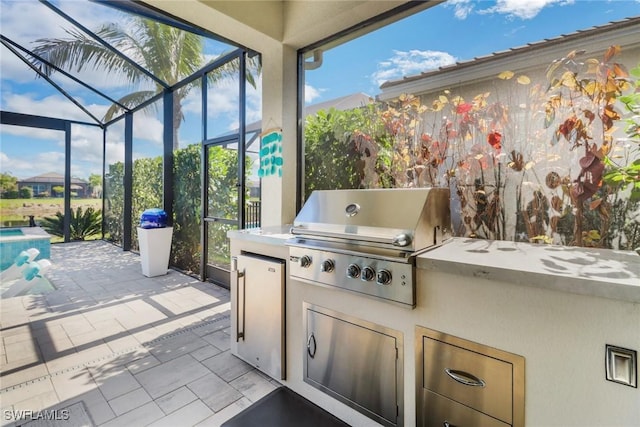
[(353, 271), (305, 261), (368, 274), (383, 277), (327, 266)]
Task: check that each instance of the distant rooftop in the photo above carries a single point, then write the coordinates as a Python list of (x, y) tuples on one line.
[(520, 50), (52, 177)]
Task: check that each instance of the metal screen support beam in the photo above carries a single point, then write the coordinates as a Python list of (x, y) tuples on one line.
[(67, 182), (51, 82), (167, 158), (204, 179), (104, 43), (102, 182), (127, 181), (58, 69), (27, 120), (300, 166), (242, 114)]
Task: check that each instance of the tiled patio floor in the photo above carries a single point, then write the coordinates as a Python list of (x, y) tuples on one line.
[(135, 351)]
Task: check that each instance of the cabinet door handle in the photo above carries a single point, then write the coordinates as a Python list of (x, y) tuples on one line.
[(310, 352), (235, 277), (465, 378), (447, 424)]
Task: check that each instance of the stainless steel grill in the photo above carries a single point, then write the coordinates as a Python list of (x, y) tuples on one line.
[(366, 241)]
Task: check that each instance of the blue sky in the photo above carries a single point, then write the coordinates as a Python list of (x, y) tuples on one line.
[(454, 31)]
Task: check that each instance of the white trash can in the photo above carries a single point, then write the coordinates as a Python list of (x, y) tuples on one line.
[(155, 248)]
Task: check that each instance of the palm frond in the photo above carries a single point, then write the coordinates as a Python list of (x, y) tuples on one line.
[(165, 52), (170, 53), (54, 225), (83, 224), (130, 100), (80, 52)]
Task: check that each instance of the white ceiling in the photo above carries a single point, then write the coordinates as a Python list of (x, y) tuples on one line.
[(298, 23)]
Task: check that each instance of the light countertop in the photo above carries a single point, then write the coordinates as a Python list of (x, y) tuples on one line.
[(598, 272), (275, 235)]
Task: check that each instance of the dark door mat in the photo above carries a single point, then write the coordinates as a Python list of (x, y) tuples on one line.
[(284, 408)]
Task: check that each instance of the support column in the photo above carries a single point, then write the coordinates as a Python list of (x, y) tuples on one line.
[(279, 92), (67, 183), (127, 182), (167, 157)]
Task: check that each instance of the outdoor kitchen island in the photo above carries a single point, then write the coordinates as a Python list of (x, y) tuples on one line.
[(556, 307)]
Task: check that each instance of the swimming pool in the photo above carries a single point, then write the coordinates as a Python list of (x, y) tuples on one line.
[(15, 240), (10, 232)]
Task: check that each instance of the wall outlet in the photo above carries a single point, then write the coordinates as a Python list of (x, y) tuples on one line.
[(621, 365)]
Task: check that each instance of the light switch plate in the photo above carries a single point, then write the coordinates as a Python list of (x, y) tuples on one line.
[(621, 365)]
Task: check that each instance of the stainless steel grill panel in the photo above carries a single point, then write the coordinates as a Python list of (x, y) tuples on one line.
[(398, 290), (374, 233), (378, 217)]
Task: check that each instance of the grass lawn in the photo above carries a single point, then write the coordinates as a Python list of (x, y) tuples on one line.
[(20, 209)]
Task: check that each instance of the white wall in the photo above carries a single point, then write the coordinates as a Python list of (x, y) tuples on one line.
[(279, 82), (562, 337)]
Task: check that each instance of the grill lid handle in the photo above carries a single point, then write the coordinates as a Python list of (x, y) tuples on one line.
[(402, 240)]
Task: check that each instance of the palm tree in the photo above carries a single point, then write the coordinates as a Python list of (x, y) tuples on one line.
[(168, 53)]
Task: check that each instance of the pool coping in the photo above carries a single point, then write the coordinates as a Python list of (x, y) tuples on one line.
[(29, 233)]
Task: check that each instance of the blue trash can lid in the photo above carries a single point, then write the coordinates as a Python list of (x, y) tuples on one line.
[(153, 212), (153, 218)]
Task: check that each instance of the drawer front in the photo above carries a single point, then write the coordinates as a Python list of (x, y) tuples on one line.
[(437, 411), (473, 379)]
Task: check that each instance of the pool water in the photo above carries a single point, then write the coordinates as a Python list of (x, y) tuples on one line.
[(15, 240), (11, 232)]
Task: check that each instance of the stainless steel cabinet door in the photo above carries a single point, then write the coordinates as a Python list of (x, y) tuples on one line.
[(356, 362), (260, 320)]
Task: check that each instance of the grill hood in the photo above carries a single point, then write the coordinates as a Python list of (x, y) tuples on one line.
[(406, 219)]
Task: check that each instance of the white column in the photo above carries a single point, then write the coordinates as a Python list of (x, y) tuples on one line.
[(279, 101)]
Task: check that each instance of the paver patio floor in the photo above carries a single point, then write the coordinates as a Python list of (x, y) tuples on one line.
[(112, 347)]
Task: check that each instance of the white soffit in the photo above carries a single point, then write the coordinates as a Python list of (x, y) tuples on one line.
[(296, 23)]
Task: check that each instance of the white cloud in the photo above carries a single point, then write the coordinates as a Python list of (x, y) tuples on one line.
[(146, 126), (311, 93), (86, 145), (223, 107), (114, 151), (522, 9), (56, 106), (253, 105), (38, 162), (33, 133), (461, 8), (46, 24), (45, 151), (415, 61), (223, 103), (254, 101)]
